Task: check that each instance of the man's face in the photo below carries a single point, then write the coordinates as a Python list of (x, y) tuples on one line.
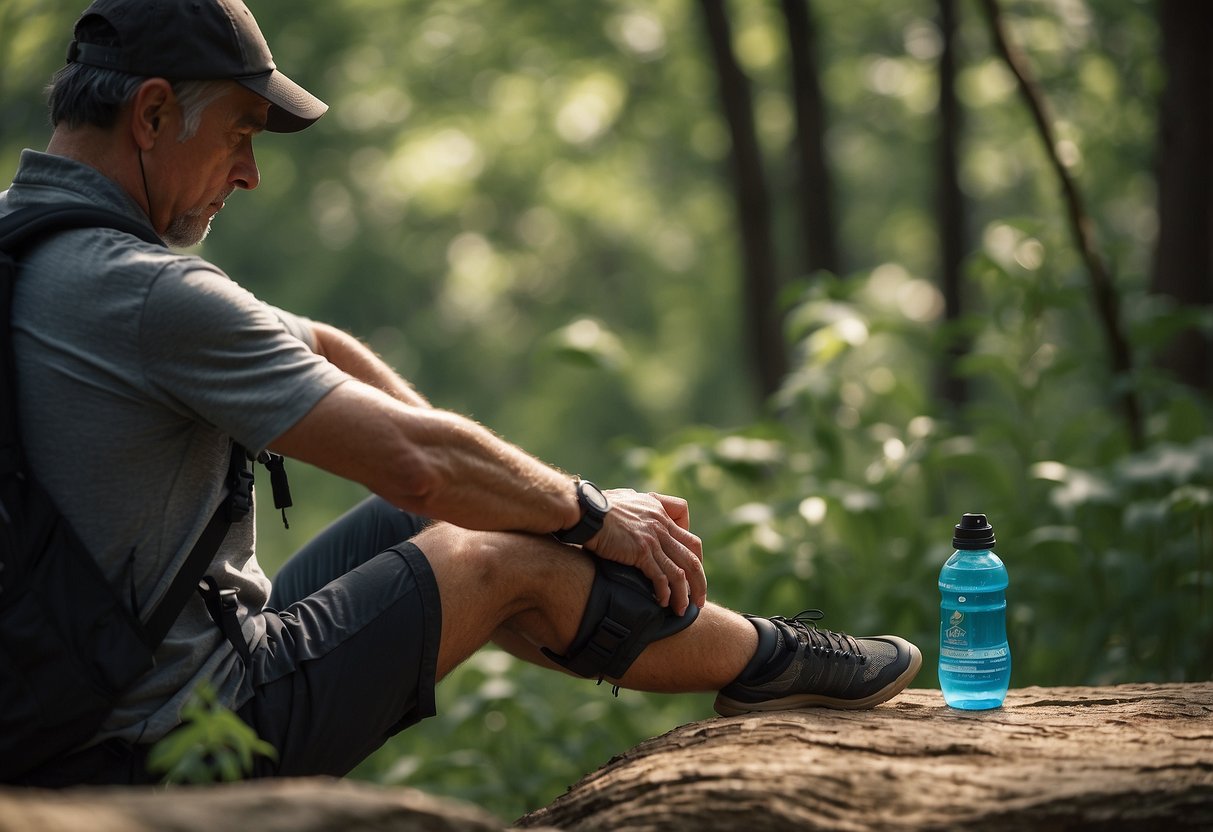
[(192, 179)]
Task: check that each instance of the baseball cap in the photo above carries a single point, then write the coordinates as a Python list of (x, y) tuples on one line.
[(193, 40)]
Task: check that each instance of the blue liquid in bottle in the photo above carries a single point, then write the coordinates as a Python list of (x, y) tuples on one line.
[(974, 657)]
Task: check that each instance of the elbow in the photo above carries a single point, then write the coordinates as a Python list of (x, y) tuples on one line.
[(411, 481)]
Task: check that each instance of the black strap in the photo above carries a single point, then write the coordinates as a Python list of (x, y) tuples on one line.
[(221, 603), (234, 508)]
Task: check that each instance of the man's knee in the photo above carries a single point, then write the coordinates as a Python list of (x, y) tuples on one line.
[(517, 569)]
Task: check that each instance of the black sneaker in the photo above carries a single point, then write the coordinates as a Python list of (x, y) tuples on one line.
[(806, 667)]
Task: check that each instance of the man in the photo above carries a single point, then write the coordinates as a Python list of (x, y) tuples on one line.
[(138, 368)]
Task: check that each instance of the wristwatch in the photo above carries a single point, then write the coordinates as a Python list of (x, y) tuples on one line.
[(594, 507)]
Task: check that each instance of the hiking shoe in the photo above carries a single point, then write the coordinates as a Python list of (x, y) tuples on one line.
[(800, 666)]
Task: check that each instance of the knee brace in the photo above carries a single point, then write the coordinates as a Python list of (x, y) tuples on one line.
[(621, 618)]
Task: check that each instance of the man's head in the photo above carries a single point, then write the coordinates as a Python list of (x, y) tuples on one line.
[(165, 96), (191, 40)]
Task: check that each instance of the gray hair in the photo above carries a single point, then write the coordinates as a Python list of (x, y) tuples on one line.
[(80, 94)]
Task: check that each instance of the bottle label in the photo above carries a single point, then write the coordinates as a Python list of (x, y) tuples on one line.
[(974, 643), (955, 633)]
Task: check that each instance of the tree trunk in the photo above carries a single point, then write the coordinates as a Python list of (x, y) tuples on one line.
[(764, 326), (814, 190), (950, 209), (1124, 757), (1183, 262)]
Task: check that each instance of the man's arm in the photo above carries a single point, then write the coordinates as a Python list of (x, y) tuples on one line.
[(356, 358), (430, 461), (376, 430)]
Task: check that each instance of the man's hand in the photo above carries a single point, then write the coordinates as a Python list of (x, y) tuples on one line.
[(652, 532)]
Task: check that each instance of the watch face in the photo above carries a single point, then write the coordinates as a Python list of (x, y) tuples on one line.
[(594, 496)]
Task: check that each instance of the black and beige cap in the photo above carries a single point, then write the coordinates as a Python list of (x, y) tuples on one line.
[(195, 40)]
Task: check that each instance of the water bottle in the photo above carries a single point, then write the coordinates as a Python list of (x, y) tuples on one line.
[(974, 657)]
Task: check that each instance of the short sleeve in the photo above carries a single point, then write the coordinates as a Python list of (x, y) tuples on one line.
[(213, 351)]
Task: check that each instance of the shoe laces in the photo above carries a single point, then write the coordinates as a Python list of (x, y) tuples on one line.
[(825, 643)]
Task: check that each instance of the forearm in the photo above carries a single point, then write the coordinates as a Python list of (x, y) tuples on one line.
[(480, 481), (356, 358), (433, 462)]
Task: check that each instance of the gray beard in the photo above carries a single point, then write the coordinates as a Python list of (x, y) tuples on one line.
[(188, 229)]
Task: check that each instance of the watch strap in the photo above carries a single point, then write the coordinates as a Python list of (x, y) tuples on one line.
[(590, 522)]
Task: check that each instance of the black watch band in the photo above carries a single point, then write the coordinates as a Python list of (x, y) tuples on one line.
[(594, 508)]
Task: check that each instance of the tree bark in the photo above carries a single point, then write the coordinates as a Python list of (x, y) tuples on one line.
[(1183, 263), (764, 325), (1123, 757)]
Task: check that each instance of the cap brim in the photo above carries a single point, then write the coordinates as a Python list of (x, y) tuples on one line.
[(292, 108)]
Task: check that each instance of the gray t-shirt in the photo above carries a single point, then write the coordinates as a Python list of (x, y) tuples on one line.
[(136, 367)]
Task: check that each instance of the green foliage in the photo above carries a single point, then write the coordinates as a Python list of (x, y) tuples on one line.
[(211, 745), (847, 500)]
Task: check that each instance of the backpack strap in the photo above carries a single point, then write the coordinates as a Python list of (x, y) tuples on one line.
[(190, 578)]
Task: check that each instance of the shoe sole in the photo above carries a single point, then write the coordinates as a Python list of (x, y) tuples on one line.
[(733, 707)]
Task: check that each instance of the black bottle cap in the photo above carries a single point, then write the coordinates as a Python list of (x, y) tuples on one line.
[(973, 532)]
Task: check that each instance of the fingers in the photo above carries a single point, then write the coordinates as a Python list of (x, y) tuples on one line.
[(651, 532), (684, 542), (676, 569), (677, 508), (662, 590)]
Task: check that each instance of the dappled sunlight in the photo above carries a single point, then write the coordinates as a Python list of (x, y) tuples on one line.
[(366, 109), (1010, 246), (429, 166), (589, 107), (476, 279), (813, 510), (515, 104), (985, 83), (640, 31)]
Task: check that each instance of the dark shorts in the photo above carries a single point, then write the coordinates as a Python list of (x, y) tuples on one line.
[(347, 667), (351, 657)]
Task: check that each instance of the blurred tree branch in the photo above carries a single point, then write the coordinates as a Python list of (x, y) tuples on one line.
[(1107, 302)]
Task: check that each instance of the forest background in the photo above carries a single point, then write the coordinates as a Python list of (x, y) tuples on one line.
[(814, 266)]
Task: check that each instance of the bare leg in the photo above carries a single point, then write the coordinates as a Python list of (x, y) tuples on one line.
[(524, 591)]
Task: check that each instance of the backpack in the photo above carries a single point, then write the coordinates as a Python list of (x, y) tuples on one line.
[(69, 644)]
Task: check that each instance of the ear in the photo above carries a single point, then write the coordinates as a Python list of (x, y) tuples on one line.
[(151, 109)]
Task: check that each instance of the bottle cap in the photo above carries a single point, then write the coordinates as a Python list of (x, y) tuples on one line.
[(973, 532)]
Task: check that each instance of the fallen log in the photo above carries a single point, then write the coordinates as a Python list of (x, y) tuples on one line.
[(1122, 757), (1137, 757)]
